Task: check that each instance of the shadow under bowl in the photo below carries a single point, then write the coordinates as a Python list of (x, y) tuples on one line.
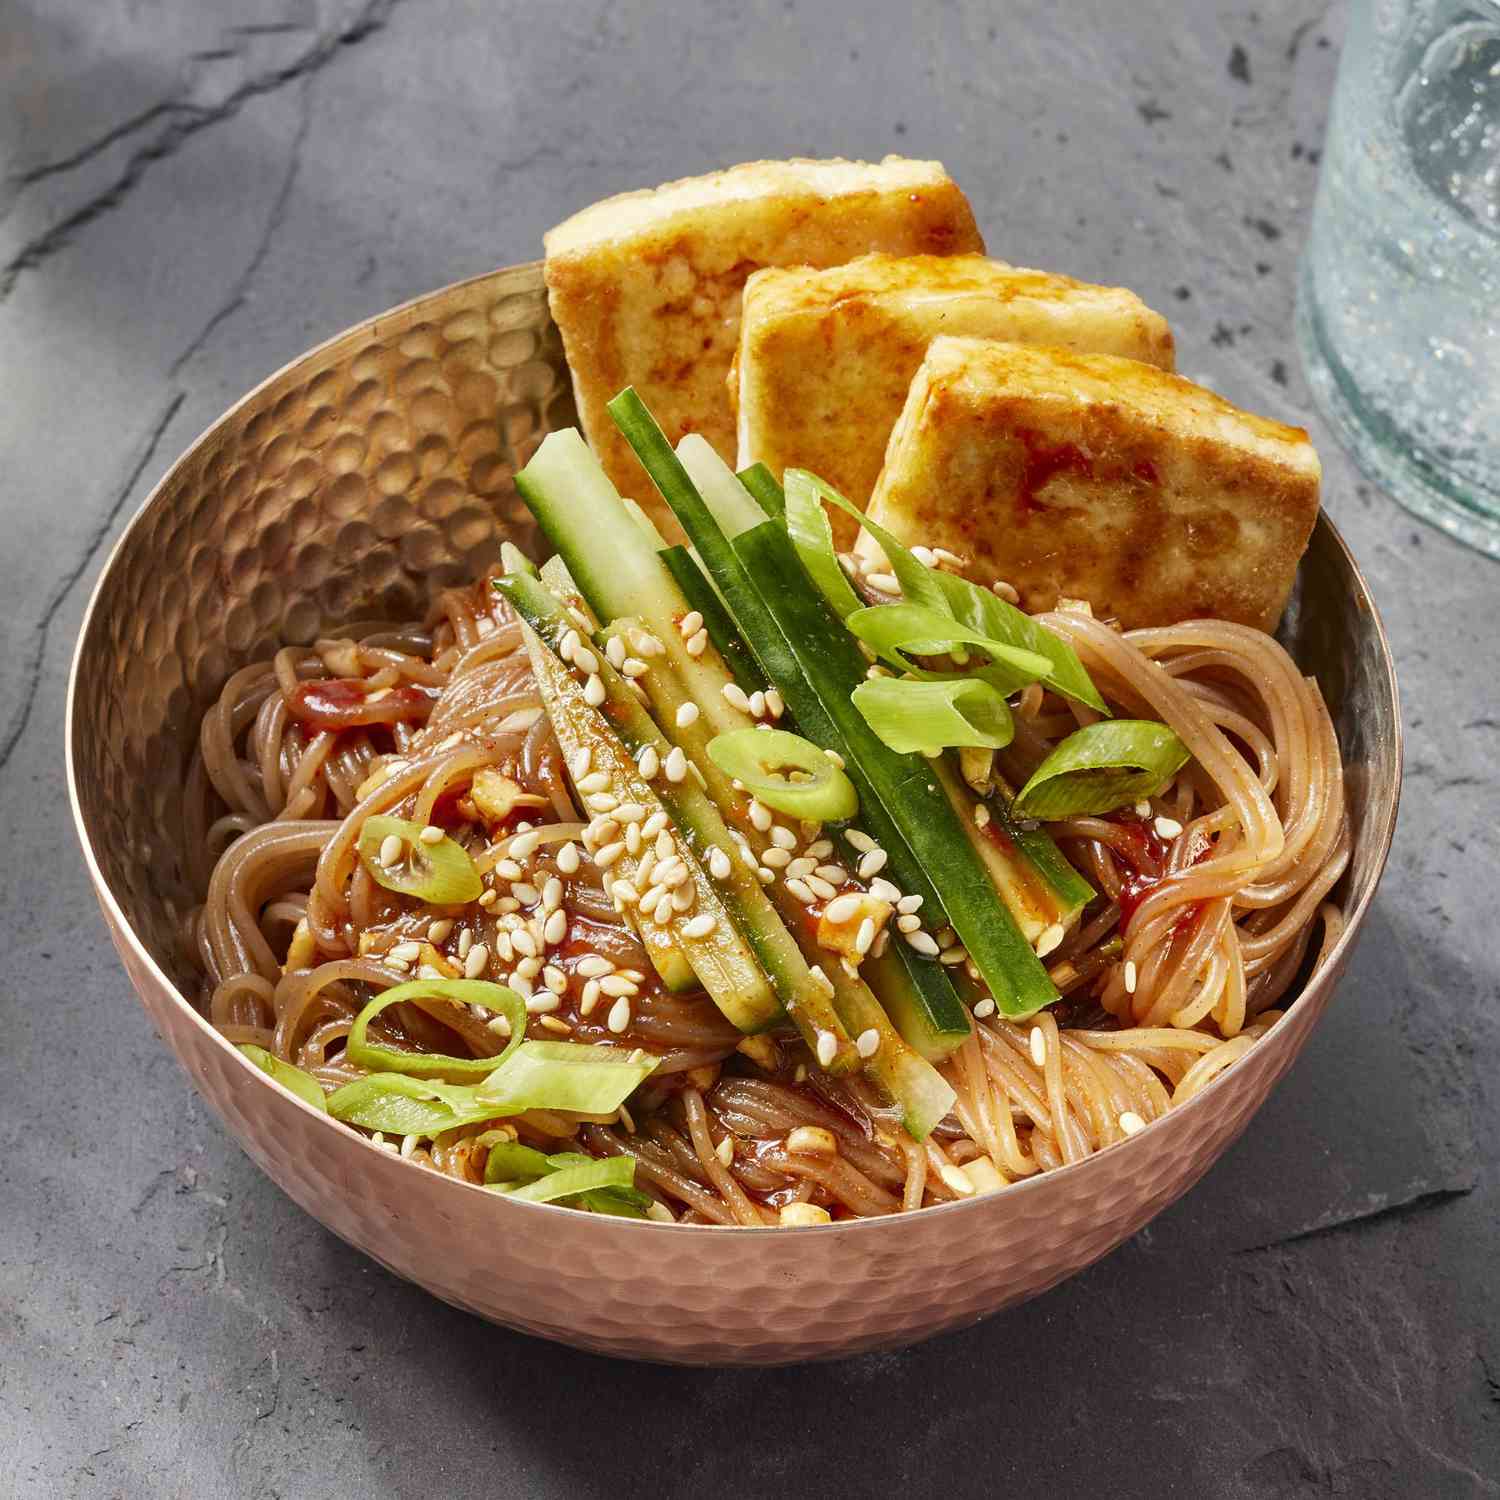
[(369, 473)]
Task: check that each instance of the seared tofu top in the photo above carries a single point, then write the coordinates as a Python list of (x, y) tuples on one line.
[(645, 287), (826, 356), (1093, 477)]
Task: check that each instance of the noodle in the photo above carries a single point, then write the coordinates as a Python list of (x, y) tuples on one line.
[(1170, 977)]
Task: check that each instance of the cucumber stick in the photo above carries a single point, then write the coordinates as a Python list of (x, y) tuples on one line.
[(699, 593), (828, 657), (721, 959), (700, 826)]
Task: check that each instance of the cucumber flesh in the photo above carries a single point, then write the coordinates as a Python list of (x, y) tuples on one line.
[(700, 593)]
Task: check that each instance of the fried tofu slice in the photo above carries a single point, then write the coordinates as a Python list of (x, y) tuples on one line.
[(826, 356), (1087, 476), (645, 287)]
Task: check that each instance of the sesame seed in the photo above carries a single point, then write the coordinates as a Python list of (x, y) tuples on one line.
[(557, 1024), (540, 1005), (408, 1145), (526, 893), (1050, 939), (718, 863), (861, 841), (1143, 809), (654, 824), (774, 703), (760, 816), (440, 931), (595, 781), (1130, 976), (908, 921), (981, 815), (1039, 1046), (684, 898), (801, 890), (783, 837), (957, 1180), (864, 937), (500, 1025), (664, 847), (909, 904), (687, 713), (835, 757), (800, 868), (690, 624), (700, 926), (633, 838), (567, 858), (653, 896), (602, 802), (617, 984), (391, 850), (984, 1008), (923, 943), (634, 667), (570, 642), (677, 764), (614, 649), (508, 869), (555, 979), (488, 898), (872, 863), (552, 894), (523, 942), (581, 761), (950, 956), (1130, 1122), (834, 874), (465, 942), (781, 859), (923, 555), (580, 619), (525, 846), (1168, 828), (593, 691), (764, 875), (697, 643), (757, 703), (406, 952), (586, 661), (734, 695), (431, 834), (397, 963), (828, 1048), (822, 980), (882, 890), (556, 928), (590, 998), (867, 1044), (619, 1015), (803, 1216), (649, 763), (841, 909), (824, 890), (725, 1150), (943, 555), (885, 582), (474, 964), (503, 945)]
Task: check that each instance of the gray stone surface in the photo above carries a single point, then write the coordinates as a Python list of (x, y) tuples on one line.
[(191, 194)]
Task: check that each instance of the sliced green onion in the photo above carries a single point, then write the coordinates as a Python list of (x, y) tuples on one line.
[(441, 874), (761, 483), (303, 1085), (978, 608), (399, 1105), (569, 1182), (509, 1161), (932, 716), (1101, 767), (786, 772), (899, 632), (989, 614), (366, 1054), (575, 1076), (812, 536)]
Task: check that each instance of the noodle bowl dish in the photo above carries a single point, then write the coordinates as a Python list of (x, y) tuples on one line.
[(739, 847)]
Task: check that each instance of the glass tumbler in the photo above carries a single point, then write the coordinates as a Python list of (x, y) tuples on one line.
[(1398, 311)]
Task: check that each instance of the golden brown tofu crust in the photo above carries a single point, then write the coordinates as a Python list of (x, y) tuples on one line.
[(646, 287), (1092, 477), (826, 356)]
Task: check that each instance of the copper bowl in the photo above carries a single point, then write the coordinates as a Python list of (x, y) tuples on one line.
[(352, 484)]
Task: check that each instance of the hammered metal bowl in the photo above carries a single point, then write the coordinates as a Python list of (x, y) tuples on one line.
[(355, 482)]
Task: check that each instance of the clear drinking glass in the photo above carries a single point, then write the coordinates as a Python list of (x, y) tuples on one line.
[(1398, 312)]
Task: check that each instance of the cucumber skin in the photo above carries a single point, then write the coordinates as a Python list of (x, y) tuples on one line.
[(764, 490), (834, 667)]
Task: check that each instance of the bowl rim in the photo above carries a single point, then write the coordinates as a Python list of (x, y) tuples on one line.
[(1383, 833)]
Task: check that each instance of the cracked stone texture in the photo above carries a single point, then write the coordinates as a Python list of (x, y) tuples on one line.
[(191, 194)]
